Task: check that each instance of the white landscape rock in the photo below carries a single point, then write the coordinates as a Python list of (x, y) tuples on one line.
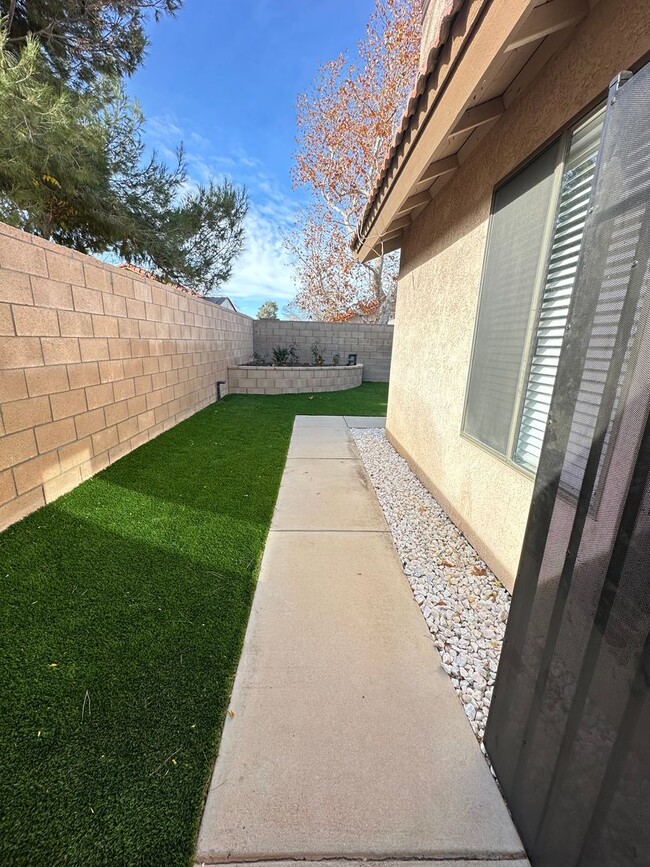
[(463, 604)]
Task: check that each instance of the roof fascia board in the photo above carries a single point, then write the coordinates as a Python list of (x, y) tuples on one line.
[(480, 58)]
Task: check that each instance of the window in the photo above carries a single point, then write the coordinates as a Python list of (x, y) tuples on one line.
[(517, 233), (530, 265)]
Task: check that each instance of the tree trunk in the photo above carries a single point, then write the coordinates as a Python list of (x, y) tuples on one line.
[(383, 297)]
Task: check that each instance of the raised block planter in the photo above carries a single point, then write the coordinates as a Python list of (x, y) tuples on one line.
[(248, 379)]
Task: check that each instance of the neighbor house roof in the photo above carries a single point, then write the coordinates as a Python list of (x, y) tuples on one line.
[(478, 56), (222, 301)]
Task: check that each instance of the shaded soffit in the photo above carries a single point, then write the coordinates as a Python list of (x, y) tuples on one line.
[(484, 55)]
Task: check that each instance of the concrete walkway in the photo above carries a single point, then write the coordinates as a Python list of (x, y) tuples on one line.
[(345, 738)]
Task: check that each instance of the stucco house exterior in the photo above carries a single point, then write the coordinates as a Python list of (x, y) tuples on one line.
[(485, 191)]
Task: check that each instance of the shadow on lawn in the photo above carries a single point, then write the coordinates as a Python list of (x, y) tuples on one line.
[(124, 606), (115, 655)]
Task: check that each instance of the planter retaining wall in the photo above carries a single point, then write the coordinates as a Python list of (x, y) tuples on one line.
[(373, 344), (250, 379)]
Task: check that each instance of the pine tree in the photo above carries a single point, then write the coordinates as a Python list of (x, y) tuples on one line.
[(82, 40), (52, 150), (74, 169)]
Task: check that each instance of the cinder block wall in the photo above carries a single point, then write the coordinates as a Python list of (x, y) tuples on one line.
[(293, 380), (372, 343), (95, 361)]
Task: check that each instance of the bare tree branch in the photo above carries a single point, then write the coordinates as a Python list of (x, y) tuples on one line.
[(345, 125)]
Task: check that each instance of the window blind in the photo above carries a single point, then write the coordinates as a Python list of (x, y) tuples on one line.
[(623, 257), (575, 193), (515, 243)]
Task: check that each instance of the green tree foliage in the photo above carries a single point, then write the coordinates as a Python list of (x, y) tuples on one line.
[(207, 229), (190, 238), (74, 169), (51, 148), (84, 39), (268, 310)]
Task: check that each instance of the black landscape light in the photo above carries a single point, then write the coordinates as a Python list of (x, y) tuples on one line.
[(352, 359)]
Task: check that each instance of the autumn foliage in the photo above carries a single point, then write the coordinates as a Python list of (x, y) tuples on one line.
[(345, 126)]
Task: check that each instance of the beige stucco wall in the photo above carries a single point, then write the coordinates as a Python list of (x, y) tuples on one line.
[(442, 259)]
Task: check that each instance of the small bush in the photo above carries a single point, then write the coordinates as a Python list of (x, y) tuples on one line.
[(293, 355), (317, 354), (281, 355)]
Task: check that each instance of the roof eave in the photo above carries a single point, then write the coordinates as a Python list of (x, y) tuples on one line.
[(464, 96)]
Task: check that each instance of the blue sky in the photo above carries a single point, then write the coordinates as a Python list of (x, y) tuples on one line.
[(223, 77)]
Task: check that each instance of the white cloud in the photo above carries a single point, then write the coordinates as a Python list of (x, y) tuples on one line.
[(264, 270), (164, 135), (199, 139), (164, 129)]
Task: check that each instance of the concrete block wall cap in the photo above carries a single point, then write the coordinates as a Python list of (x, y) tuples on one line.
[(310, 367)]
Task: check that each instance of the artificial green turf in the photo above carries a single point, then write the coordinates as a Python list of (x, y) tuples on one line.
[(123, 611)]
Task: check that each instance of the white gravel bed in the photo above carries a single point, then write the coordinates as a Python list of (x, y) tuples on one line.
[(463, 604)]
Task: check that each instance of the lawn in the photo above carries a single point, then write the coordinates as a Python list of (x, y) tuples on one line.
[(124, 606)]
